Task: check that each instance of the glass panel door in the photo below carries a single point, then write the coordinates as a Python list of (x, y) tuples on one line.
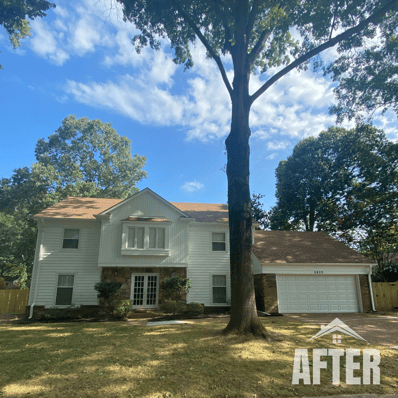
[(144, 290)]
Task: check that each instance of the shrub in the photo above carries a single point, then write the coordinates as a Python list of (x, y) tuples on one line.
[(195, 308), (108, 292), (173, 307), (174, 288), (121, 308)]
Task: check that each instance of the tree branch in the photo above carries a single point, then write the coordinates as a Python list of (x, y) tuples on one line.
[(252, 18), (265, 34), (330, 43), (201, 37)]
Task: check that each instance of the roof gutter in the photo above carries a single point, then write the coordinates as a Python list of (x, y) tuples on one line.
[(372, 301), (38, 250)]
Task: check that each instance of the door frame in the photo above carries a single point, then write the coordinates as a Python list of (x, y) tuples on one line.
[(145, 275)]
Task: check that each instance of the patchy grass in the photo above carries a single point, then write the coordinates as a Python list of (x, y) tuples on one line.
[(188, 360)]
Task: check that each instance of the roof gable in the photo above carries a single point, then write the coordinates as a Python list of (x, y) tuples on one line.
[(145, 191)]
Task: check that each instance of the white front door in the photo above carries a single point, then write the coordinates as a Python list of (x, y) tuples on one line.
[(317, 293), (144, 290)]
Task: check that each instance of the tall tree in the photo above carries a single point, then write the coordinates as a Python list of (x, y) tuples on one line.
[(14, 16), (82, 158), (256, 34), (312, 181)]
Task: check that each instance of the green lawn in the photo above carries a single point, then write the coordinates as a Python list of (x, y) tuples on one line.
[(120, 360)]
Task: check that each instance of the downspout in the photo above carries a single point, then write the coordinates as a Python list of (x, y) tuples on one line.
[(371, 289), (39, 249)]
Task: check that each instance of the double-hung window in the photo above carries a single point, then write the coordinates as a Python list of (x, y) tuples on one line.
[(218, 242), (71, 239), (64, 290), (219, 289)]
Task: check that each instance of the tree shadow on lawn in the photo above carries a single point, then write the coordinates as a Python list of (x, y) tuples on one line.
[(119, 360)]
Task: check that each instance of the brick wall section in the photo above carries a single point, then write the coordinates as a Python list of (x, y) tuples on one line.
[(266, 294), (365, 293), (123, 275)]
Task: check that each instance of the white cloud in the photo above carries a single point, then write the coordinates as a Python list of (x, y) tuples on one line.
[(277, 145), (272, 156), (85, 36), (155, 91), (192, 186), (45, 44)]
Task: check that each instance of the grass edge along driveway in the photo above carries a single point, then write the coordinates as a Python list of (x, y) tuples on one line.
[(116, 359)]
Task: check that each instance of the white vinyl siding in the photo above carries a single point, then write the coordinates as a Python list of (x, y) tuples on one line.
[(317, 293), (204, 263), (55, 260)]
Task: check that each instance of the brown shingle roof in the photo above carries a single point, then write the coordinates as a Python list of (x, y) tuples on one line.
[(292, 247), (76, 207), (204, 212), (87, 208)]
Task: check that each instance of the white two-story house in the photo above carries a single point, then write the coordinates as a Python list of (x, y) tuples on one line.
[(144, 239)]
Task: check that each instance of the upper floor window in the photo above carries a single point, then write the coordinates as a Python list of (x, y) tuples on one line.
[(71, 239), (145, 239), (155, 239), (218, 241)]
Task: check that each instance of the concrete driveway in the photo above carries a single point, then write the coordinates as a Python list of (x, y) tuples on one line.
[(374, 328)]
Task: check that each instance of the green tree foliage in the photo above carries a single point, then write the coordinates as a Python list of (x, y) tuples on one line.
[(259, 214), (14, 16), (256, 34), (82, 158), (344, 182), (368, 77)]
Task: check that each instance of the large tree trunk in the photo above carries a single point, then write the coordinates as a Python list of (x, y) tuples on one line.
[(244, 319)]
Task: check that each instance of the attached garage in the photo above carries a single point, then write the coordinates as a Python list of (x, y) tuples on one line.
[(309, 272), (317, 293)]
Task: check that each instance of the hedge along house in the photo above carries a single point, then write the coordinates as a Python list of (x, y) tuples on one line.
[(310, 272), (144, 239)]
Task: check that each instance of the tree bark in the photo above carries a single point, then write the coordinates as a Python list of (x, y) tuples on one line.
[(244, 319)]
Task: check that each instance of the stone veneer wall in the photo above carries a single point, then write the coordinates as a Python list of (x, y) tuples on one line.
[(266, 293), (365, 293), (123, 275)]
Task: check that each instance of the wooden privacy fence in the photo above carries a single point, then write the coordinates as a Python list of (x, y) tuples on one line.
[(13, 301), (386, 295)]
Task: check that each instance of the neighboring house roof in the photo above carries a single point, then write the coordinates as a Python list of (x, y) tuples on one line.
[(292, 247), (88, 208)]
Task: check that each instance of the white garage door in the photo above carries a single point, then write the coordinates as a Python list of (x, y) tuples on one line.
[(317, 293)]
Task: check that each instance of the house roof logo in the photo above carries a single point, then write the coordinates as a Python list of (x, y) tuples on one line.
[(337, 326)]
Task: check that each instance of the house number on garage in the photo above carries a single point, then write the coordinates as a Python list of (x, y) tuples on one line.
[(318, 272)]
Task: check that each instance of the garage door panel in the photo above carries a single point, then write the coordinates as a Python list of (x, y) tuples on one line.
[(317, 293)]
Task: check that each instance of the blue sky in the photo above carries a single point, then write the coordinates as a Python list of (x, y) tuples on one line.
[(79, 60)]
